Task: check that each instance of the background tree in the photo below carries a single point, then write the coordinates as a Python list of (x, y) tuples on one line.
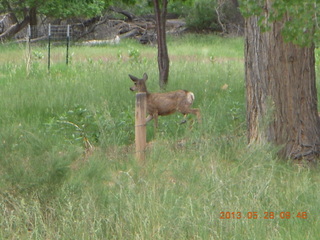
[(206, 19), (25, 12), (280, 76), (215, 16), (160, 10), (19, 14)]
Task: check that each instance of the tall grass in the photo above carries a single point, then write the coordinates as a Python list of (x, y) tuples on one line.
[(54, 186)]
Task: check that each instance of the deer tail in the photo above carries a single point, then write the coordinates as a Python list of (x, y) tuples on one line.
[(190, 97)]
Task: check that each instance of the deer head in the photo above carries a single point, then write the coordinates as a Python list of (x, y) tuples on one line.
[(139, 84)]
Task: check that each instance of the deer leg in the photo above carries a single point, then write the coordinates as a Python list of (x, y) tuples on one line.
[(184, 120), (155, 116), (149, 118), (196, 112)]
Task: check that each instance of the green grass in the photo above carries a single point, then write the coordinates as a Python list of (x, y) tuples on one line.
[(53, 187)]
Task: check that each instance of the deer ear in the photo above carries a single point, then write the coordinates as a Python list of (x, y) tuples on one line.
[(145, 77), (133, 78)]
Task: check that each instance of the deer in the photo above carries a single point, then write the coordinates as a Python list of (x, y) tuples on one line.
[(163, 104)]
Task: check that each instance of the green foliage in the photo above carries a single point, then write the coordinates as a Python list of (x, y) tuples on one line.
[(65, 9), (77, 124), (214, 16), (203, 16), (302, 27), (145, 7), (251, 7), (301, 18), (38, 55), (134, 54), (181, 8), (60, 8), (141, 8)]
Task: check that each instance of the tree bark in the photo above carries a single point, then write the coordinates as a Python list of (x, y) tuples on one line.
[(163, 57), (281, 92)]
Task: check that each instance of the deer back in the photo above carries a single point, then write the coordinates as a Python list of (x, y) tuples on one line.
[(169, 102)]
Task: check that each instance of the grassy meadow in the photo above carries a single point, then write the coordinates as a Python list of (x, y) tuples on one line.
[(67, 163)]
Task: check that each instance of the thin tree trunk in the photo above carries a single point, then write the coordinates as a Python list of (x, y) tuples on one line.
[(10, 32), (163, 57), (33, 22), (17, 26), (281, 92)]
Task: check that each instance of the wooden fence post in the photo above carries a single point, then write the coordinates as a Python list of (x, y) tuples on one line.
[(140, 126)]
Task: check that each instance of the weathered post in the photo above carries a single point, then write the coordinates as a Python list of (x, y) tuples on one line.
[(49, 45), (68, 44), (28, 53), (140, 126)]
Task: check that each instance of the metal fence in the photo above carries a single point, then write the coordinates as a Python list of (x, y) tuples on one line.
[(60, 33)]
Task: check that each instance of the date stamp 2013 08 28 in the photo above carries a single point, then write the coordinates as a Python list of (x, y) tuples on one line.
[(263, 215)]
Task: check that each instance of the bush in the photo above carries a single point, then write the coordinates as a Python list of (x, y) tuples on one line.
[(203, 16)]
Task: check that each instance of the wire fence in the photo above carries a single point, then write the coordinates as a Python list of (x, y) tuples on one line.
[(54, 32), (103, 32), (59, 33)]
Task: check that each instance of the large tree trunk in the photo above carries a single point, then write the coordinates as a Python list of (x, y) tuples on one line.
[(163, 57), (281, 92)]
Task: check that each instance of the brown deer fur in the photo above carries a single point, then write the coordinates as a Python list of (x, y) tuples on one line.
[(162, 104)]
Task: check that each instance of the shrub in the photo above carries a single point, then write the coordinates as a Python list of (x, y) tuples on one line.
[(203, 16)]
